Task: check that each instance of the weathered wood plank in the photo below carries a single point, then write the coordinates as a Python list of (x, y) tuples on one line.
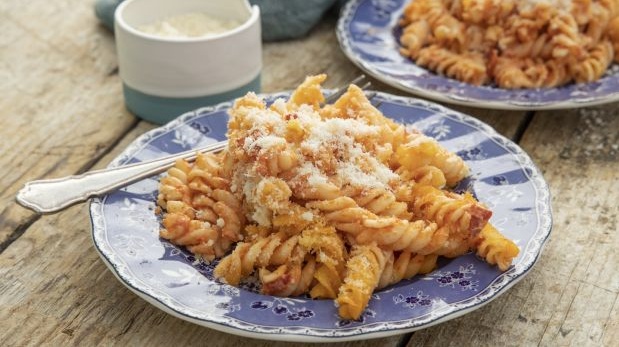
[(570, 297), (611, 327), (579, 151), (60, 109)]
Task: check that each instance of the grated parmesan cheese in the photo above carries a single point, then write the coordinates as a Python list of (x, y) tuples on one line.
[(529, 5), (189, 25), (353, 175), (264, 143), (308, 216), (381, 171), (280, 105), (322, 257), (312, 174), (328, 153), (220, 222), (262, 216), (263, 119)]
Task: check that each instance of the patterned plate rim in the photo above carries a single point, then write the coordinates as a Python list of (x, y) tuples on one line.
[(346, 16), (235, 326)]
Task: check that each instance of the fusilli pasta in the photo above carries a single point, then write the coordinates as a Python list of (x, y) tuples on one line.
[(333, 201), (495, 248), (405, 265), (364, 268), (514, 44), (420, 151)]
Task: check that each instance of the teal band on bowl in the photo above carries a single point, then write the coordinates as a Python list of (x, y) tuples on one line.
[(161, 110)]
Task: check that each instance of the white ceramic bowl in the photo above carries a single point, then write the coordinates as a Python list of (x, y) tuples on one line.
[(164, 77)]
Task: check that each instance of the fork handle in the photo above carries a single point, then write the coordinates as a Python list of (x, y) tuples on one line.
[(53, 195)]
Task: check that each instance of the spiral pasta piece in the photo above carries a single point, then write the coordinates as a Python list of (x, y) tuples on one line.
[(405, 265), (328, 281), (596, 63), (309, 92), (378, 201), (200, 238), (495, 248), (343, 213), (460, 214), (612, 6), (401, 235), (447, 30), (414, 37), (364, 269), (204, 219), (509, 73), (468, 67), (430, 10), (581, 10), (485, 11), (273, 163), (557, 74), (565, 36), (330, 253), (424, 175), (302, 189), (276, 249), (535, 47), (421, 151), (390, 233), (212, 198), (405, 192), (602, 14), (528, 73), (173, 187), (288, 279), (205, 174), (354, 104), (613, 35)]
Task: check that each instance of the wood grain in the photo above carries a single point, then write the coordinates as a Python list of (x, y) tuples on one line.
[(60, 109), (570, 297)]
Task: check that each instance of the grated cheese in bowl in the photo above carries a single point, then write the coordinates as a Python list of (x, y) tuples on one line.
[(189, 25)]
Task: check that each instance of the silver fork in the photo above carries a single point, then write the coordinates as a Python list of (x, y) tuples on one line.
[(53, 195)]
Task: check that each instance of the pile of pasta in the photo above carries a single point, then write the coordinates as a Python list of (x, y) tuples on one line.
[(514, 44), (335, 201)]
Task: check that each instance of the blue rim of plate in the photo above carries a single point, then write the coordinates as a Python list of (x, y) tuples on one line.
[(482, 283), (368, 34)]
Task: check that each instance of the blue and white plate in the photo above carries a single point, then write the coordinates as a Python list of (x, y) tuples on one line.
[(368, 33), (125, 233)]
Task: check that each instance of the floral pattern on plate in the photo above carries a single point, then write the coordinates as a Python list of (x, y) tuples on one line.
[(369, 35), (125, 232)]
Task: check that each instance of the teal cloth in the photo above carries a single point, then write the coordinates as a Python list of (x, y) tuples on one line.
[(280, 19)]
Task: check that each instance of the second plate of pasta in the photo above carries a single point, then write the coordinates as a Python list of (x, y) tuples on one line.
[(371, 35), (126, 232)]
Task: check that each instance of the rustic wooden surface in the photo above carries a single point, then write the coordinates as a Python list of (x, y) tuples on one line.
[(62, 113)]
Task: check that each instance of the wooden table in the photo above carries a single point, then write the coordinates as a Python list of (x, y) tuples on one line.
[(62, 112)]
